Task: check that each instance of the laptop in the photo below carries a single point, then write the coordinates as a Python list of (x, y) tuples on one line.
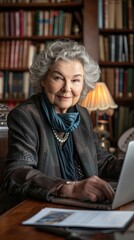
[(124, 191)]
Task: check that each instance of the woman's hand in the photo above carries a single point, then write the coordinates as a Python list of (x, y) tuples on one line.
[(93, 188)]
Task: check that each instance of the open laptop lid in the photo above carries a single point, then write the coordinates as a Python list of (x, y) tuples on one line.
[(124, 192), (125, 189)]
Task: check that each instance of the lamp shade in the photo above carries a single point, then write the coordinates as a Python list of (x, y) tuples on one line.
[(100, 99)]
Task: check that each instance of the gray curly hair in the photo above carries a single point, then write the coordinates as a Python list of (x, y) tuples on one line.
[(64, 50)]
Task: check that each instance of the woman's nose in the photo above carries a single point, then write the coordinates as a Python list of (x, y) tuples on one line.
[(66, 87)]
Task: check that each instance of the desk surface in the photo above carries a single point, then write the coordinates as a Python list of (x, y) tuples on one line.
[(11, 228)]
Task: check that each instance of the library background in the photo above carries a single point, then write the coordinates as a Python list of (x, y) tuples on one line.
[(105, 27)]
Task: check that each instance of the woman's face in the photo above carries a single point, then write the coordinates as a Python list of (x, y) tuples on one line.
[(63, 84)]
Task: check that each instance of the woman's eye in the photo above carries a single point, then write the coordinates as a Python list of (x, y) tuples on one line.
[(76, 80), (57, 78)]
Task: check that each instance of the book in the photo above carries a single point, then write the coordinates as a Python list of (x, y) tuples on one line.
[(61, 22), (2, 53), (80, 218), (13, 23), (31, 54), (125, 76), (41, 23), (106, 13), (111, 14), (21, 49), (100, 13), (46, 17), (28, 21), (68, 23), (1, 24), (109, 80), (21, 17), (131, 47), (51, 22), (106, 48), (112, 48), (130, 14), (120, 49), (36, 22), (130, 84), (17, 23), (116, 81), (126, 53), (102, 48), (118, 14), (125, 13), (26, 84), (16, 53), (12, 53), (1, 84), (56, 23), (6, 25), (26, 45), (17, 85), (120, 83)]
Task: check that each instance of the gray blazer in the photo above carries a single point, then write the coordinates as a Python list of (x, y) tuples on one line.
[(32, 166)]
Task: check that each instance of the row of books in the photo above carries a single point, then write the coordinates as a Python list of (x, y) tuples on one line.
[(115, 14), (19, 53), (39, 23), (117, 48), (37, 1), (120, 81), (15, 85)]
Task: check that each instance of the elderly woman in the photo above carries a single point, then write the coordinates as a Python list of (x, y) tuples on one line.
[(53, 150)]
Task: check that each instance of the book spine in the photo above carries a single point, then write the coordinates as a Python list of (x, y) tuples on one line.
[(130, 80), (126, 54), (1, 84), (118, 14), (46, 22), (121, 83), (100, 13), (106, 13), (111, 14), (125, 13), (130, 14)]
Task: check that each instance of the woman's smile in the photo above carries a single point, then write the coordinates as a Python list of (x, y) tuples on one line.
[(63, 84)]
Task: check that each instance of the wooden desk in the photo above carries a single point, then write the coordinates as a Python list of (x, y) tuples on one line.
[(11, 228)]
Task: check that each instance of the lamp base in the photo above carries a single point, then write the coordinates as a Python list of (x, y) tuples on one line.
[(103, 134)]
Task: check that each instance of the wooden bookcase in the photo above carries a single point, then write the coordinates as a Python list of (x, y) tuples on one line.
[(13, 36), (89, 34), (116, 58)]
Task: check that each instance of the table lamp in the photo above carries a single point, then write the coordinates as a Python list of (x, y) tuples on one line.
[(100, 101)]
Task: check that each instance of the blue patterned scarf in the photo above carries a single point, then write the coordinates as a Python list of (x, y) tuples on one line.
[(65, 122)]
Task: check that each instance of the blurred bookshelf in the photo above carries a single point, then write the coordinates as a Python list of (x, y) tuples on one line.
[(116, 58), (105, 27), (26, 27)]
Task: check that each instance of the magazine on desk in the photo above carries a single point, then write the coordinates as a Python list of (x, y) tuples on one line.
[(81, 218)]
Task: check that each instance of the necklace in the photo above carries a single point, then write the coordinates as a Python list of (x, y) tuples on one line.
[(59, 138)]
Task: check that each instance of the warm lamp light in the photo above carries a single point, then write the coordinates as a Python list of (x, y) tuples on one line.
[(100, 100)]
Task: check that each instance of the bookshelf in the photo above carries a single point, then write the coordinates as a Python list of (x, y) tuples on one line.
[(26, 27), (90, 24), (116, 58)]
